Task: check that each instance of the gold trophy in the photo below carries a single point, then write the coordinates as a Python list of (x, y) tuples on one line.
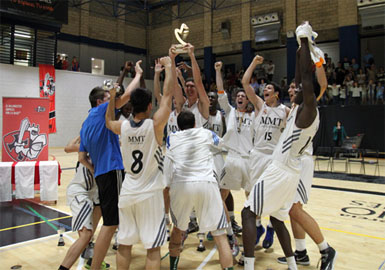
[(180, 35)]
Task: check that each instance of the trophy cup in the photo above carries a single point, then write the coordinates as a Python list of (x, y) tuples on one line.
[(180, 35), (60, 232), (201, 237)]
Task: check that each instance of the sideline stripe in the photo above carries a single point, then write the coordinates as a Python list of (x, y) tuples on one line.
[(350, 190), (165, 256), (206, 260), (34, 223), (43, 218)]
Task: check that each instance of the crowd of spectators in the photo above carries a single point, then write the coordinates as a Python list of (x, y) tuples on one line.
[(62, 63), (349, 83)]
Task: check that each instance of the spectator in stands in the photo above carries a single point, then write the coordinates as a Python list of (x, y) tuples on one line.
[(254, 83), (356, 93), (329, 69), (75, 64), (58, 63), (361, 77), (339, 134), (380, 93), (371, 92), (335, 92), (65, 63), (348, 82), (381, 75), (262, 86), (371, 72), (340, 73), (368, 59), (343, 91), (346, 63), (270, 70), (354, 65)]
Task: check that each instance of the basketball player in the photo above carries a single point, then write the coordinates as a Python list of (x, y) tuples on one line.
[(237, 140), (141, 204), (268, 125), (193, 186), (301, 222), (83, 199), (282, 176), (104, 150)]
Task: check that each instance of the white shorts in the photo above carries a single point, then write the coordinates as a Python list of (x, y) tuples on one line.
[(204, 198), (235, 173), (82, 208), (305, 181), (258, 164), (274, 192), (143, 221), (218, 166)]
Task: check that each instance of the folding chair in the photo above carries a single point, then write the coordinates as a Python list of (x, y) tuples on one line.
[(373, 154), (323, 153)]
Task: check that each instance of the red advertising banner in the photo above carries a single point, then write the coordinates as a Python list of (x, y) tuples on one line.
[(25, 129), (47, 89)]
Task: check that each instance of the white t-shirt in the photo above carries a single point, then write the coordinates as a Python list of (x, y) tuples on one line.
[(190, 155), (215, 123)]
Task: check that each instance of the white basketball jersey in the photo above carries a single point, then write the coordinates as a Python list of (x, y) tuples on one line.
[(294, 141), (172, 125), (190, 153), (142, 159), (215, 123), (268, 127), (200, 121)]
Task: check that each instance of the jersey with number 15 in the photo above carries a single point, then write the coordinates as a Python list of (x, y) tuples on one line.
[(142, 158), (268, 126)]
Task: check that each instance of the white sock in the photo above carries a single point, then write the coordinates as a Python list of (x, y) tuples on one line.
[(323, 245), (270, 225), (231, 213), (291, 263), (249, 263), (258, 222), (300, 244)]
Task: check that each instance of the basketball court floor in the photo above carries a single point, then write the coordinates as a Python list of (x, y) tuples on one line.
[(351, 214)]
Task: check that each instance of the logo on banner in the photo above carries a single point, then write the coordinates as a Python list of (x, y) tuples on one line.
[(47, 86), (25, 143)]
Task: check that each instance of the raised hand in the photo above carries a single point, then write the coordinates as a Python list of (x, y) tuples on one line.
[(218, 66), (165, 61), (138, 69), (128, 65), (190, 48), (258, 59), (158, 66)]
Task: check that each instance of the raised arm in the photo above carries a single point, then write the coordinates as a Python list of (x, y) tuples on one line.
[(127, 67), (253, 98), (322, 80), (308, 113), (204, 102), (161, 116), (158, 69), (123, 99), (177, 91), (186, 68), (73, 145), (222, 97), (111, 123)]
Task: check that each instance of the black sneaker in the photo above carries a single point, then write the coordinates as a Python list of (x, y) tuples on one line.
[(193, 226), (233, 244), (234, 224), (328, 257), (301, 258)]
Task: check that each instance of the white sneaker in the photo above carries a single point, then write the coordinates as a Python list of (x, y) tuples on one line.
[(305, 31)]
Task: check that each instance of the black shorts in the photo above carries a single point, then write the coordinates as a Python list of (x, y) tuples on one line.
[(109, 185)]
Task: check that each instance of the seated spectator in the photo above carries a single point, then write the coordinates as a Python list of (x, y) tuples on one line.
[(58, 62), (356, 93), (380, 93), (254, 83), (371, 92), (65, 63), (75, 64), (346, 63)]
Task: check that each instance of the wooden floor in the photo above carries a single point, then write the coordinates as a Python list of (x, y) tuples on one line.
[(353, 222)]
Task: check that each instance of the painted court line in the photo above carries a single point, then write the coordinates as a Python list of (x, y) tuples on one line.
[(30, 224)]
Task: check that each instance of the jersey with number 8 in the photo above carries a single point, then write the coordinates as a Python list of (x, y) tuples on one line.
[(142, 158)]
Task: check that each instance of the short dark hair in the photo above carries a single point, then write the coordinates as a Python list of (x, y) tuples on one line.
[(277, 88), (185, 120), (189, 79), (140, 98), (96, 93)]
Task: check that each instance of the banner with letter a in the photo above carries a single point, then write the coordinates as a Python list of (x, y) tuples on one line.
[(47, 89), (25, 129)]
